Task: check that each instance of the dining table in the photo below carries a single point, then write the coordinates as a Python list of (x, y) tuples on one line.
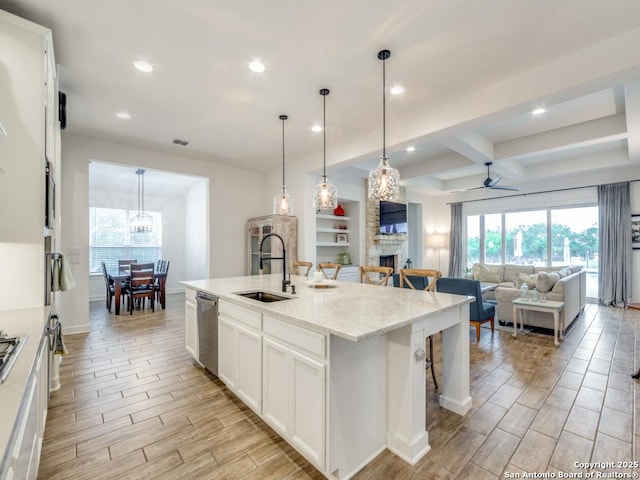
[(123, 276)]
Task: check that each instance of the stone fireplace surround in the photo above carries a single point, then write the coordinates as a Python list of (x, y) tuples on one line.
[(382, 245)]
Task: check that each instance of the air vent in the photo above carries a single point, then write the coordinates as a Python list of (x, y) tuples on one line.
[(177, 141)]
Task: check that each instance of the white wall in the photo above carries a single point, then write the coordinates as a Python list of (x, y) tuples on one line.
[(196, 233), (234, 196)]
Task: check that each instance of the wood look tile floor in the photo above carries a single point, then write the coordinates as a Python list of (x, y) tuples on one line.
[(134, 405)]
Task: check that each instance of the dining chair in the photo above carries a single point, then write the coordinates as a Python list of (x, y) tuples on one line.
[(324, 266), (419, 278), (160, 282), (299, 266), (141, 285), (480, 311), (123, 265), (109, 283), (422, 279), (380, 274)]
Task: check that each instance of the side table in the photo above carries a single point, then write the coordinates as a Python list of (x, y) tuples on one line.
[(550, 307)]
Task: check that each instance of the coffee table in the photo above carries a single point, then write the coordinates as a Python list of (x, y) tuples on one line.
[(550, 307)]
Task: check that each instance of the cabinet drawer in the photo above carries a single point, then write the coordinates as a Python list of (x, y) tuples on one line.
[(305, 340), (247, 317)]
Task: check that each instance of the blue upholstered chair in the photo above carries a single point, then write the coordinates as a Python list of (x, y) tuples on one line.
[(481, 310)]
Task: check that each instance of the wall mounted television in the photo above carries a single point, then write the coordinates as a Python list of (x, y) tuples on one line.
[(393, 218)]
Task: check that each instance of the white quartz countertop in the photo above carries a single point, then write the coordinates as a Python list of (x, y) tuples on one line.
[(353, 311), (29, 321)]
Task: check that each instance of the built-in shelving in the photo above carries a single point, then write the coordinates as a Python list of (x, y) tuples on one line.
[(337, 236), (332, 230), (324, 216)]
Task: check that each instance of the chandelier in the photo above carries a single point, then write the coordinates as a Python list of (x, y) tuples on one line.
[(142, 222)]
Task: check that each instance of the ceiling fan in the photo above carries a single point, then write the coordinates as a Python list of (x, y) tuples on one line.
[(493, 182)]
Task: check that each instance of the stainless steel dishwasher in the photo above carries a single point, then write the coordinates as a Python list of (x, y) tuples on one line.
[(208, 331)]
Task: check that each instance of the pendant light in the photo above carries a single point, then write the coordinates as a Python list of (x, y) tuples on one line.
[(384, 181), (283, 203), (325, 195), (142, 222)]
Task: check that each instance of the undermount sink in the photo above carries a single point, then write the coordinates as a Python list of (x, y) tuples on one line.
[(266, 297)]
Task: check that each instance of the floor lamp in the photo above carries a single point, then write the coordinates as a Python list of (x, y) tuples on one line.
[(437, 241)]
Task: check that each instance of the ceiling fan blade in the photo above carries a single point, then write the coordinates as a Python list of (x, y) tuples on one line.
[(504, 188), (492, 182)]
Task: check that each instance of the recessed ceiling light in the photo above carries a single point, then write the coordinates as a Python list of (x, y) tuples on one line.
[(257, 66), (397, 90), (411, 149), (538, 111), (123, 115), (316, 128), (143, 66)]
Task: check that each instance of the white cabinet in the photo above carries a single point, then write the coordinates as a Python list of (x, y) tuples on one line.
[(26, 442), (277, 386), (308, 406), (240, 353), (227, 353), (191, 323), (28, 89), (294, 398), (249, 383)]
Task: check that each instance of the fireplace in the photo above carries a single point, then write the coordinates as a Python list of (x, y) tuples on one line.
[(389, 261)]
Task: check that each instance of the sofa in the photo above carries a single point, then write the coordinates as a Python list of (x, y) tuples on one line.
[(566, 284)]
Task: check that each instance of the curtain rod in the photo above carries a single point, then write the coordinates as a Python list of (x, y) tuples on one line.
[(538, 193)]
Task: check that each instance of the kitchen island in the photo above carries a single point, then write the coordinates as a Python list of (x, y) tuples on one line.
[(338, 372)]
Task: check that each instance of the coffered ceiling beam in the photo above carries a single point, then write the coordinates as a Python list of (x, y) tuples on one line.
[(594, 132), (632, 109), (472, 145), (453, 161)]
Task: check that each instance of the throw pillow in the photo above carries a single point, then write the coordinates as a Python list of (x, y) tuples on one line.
[(546, 281), (522, 278), (488, 274), (475, 270)]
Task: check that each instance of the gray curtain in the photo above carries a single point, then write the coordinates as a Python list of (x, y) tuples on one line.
[(614, 251), (455, 241)]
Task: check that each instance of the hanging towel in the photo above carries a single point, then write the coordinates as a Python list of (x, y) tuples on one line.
[(59, 348), (62, 276)]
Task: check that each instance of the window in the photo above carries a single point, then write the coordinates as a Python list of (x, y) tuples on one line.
[(569, 234), (492, 238), (110, 239), (526, 237)]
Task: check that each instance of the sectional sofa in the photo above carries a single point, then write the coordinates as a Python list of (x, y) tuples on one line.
[(566, 284)]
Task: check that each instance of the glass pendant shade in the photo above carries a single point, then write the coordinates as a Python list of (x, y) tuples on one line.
[(325, 195), (384, 182), (283, 204), (142, 222)]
